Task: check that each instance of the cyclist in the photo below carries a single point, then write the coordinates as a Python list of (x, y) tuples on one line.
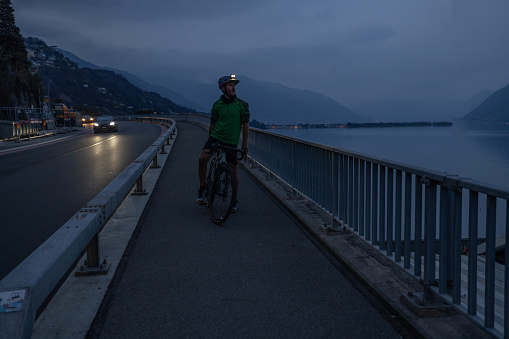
[(230, 116)]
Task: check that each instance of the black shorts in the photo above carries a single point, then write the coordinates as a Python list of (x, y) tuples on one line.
[(231, 156)]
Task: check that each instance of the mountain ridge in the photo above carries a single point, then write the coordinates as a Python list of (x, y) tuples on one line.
[(492, 111), (269, 101), (137, 81), (94, 91)]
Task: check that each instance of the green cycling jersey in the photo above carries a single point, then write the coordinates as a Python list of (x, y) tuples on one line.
[(228, 115)]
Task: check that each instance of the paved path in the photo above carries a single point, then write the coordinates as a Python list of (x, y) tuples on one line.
[(258, 275)]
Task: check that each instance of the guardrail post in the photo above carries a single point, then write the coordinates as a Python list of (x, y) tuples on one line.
[(154, 163), (92, 265), (139, 187), (163, 150), (93, 251)]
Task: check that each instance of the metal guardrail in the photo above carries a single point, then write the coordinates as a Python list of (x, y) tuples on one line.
[(40, 274), (428, 222)]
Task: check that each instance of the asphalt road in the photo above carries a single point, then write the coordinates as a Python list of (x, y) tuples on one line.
[(258, 275), (44, 182)]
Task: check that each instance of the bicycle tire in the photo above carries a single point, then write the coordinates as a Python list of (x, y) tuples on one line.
[(221, 194)]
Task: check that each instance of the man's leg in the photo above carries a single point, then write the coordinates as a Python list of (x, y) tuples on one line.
[(202, 172), (202, 165)]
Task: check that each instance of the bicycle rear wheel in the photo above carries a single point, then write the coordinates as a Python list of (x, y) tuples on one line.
[(221, 194)]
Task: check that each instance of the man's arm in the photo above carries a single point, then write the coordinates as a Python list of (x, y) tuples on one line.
[(211, 128), (245, 132)]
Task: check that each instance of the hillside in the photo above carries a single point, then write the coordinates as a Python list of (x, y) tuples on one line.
[(94, 91), (492, 111), (136, 81), (269, 102)]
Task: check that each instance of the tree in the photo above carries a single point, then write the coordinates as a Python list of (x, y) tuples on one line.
[(17, 84)]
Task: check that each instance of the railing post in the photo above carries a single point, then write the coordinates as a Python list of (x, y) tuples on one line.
[(430, 209), (473, 220), (382, 241), (390, 212), (335, 225), (408, 220), (456, 278), (363, 223), (370, 199), (343, 190), (489, 299), (355, 200), (445, 250), (418, 226), (398, 218), (375, 207)]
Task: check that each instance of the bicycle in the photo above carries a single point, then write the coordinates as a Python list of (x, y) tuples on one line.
[(221, 183)]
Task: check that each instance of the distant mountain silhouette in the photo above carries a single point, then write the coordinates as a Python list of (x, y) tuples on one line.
[(269, 102), (492, 111), (94, 91), (136, 81)]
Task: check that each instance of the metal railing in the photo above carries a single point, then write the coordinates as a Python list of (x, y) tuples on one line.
[(24, 122), (430, 223), (41, 273)]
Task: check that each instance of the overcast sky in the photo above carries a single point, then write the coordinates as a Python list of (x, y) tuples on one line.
[(356, 52)]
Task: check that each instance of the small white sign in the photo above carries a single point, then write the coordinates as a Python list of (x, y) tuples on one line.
[(11, 301)]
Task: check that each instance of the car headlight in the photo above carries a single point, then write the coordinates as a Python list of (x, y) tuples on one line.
[(96, 124), (112, 123)]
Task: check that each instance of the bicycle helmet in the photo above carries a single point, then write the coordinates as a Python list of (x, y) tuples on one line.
[(226, 79)]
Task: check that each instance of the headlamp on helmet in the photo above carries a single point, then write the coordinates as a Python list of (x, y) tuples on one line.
[(227, 79)]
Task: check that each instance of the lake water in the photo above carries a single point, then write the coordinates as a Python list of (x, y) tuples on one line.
[(482, 155)]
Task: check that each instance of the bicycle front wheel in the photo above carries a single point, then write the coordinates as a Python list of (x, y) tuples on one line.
[(221, 194)]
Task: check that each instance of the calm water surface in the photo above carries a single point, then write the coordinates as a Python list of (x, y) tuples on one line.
[(477, 154)]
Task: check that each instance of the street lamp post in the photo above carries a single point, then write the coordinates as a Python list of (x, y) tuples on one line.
[(49, 98)]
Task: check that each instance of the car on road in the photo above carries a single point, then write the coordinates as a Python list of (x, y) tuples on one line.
[(105, 123), (87, 119)]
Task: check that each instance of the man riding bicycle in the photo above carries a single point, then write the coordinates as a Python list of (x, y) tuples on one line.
[(230, 116)]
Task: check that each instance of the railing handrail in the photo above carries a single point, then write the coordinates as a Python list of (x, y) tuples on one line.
[(41, 272), (450, 179)]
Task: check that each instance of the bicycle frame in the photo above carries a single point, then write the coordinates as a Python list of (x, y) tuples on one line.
[(221, 184), (219, 159)]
